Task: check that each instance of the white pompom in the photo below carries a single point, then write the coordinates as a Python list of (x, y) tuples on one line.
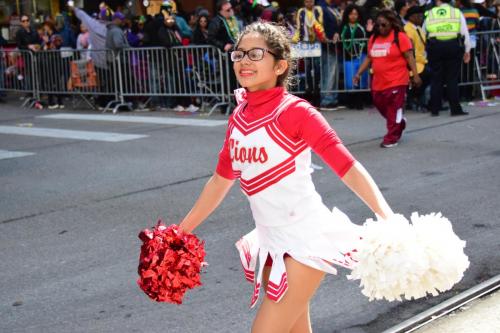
[(398, 259)]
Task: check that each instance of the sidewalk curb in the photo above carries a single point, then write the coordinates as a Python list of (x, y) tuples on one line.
[(447, 306)]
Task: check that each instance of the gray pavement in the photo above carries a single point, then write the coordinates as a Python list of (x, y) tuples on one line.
[(70, 214), (481, 315)]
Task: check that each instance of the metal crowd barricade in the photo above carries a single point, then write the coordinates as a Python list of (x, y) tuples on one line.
[(306, 77), (203, 72), (484, 68), (328, 68), (17, 74), (332, 67), (162, 74), (87, 74)]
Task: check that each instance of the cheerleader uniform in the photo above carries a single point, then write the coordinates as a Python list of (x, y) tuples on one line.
[(268, 148)]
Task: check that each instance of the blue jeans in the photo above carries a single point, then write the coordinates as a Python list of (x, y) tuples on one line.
[(350, 69), (329, 74)]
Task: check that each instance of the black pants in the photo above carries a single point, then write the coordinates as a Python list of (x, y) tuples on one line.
[(445, 58), (416, 95)]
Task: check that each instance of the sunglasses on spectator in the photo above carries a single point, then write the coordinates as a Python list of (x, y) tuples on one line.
[(25, 20), (382, 25), (255, 54), (228, 9)]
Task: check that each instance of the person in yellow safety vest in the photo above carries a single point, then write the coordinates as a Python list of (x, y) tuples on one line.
[(445, 26)]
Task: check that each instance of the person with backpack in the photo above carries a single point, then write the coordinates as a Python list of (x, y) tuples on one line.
[(390, 54)]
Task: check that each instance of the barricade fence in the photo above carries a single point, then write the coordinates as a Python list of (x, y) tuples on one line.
[(329, 67), (162, 76), (483, 70), (84, 73), (17, 73)]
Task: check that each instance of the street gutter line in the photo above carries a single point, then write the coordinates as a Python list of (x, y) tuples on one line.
[(444, 308)]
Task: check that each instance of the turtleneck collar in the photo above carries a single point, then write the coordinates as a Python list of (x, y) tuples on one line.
[(260, 98)]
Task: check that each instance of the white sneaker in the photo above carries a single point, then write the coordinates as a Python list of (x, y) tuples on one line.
[(178, 108), (61, 106), (192, 108), (52, 107), (388, 145)]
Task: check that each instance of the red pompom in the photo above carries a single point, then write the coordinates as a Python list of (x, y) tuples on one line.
[(170, 263)]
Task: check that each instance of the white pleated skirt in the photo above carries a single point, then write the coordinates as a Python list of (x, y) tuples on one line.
[(321, 242)]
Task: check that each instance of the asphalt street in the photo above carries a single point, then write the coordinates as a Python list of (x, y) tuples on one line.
[(71, 210)]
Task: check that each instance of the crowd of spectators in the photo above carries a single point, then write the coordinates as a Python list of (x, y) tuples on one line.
[(339, 25)]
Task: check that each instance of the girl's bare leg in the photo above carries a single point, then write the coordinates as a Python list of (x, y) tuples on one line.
[(303, 324), (293, 309)]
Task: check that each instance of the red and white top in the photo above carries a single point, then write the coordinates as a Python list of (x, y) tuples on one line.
[(268, 147)]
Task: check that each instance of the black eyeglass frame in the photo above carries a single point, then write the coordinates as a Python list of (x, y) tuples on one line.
[(247, 53)]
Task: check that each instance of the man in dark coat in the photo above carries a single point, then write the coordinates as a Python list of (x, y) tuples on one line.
[(223, 29)]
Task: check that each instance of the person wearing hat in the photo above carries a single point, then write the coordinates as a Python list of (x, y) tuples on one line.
[(115, 36), (169, 8), (116, 40), (105, 13), (97, 38), (445, 26), (414, 18), (481, 7)]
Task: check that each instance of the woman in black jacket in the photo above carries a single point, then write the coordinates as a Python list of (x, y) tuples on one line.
[(200, 34)]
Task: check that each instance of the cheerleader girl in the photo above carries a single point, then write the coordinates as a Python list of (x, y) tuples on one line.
[(268, 144)]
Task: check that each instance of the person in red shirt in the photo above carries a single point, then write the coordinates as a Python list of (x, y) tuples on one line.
[(390, 54), (268, 146)]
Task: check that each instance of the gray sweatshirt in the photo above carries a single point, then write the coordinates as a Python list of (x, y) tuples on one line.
[(97, 37), (115, 38)]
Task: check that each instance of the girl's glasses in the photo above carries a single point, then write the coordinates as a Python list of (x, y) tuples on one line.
[(255, 54)]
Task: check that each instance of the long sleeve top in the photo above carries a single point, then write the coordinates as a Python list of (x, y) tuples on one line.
[(97, 37), (300, 120)]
